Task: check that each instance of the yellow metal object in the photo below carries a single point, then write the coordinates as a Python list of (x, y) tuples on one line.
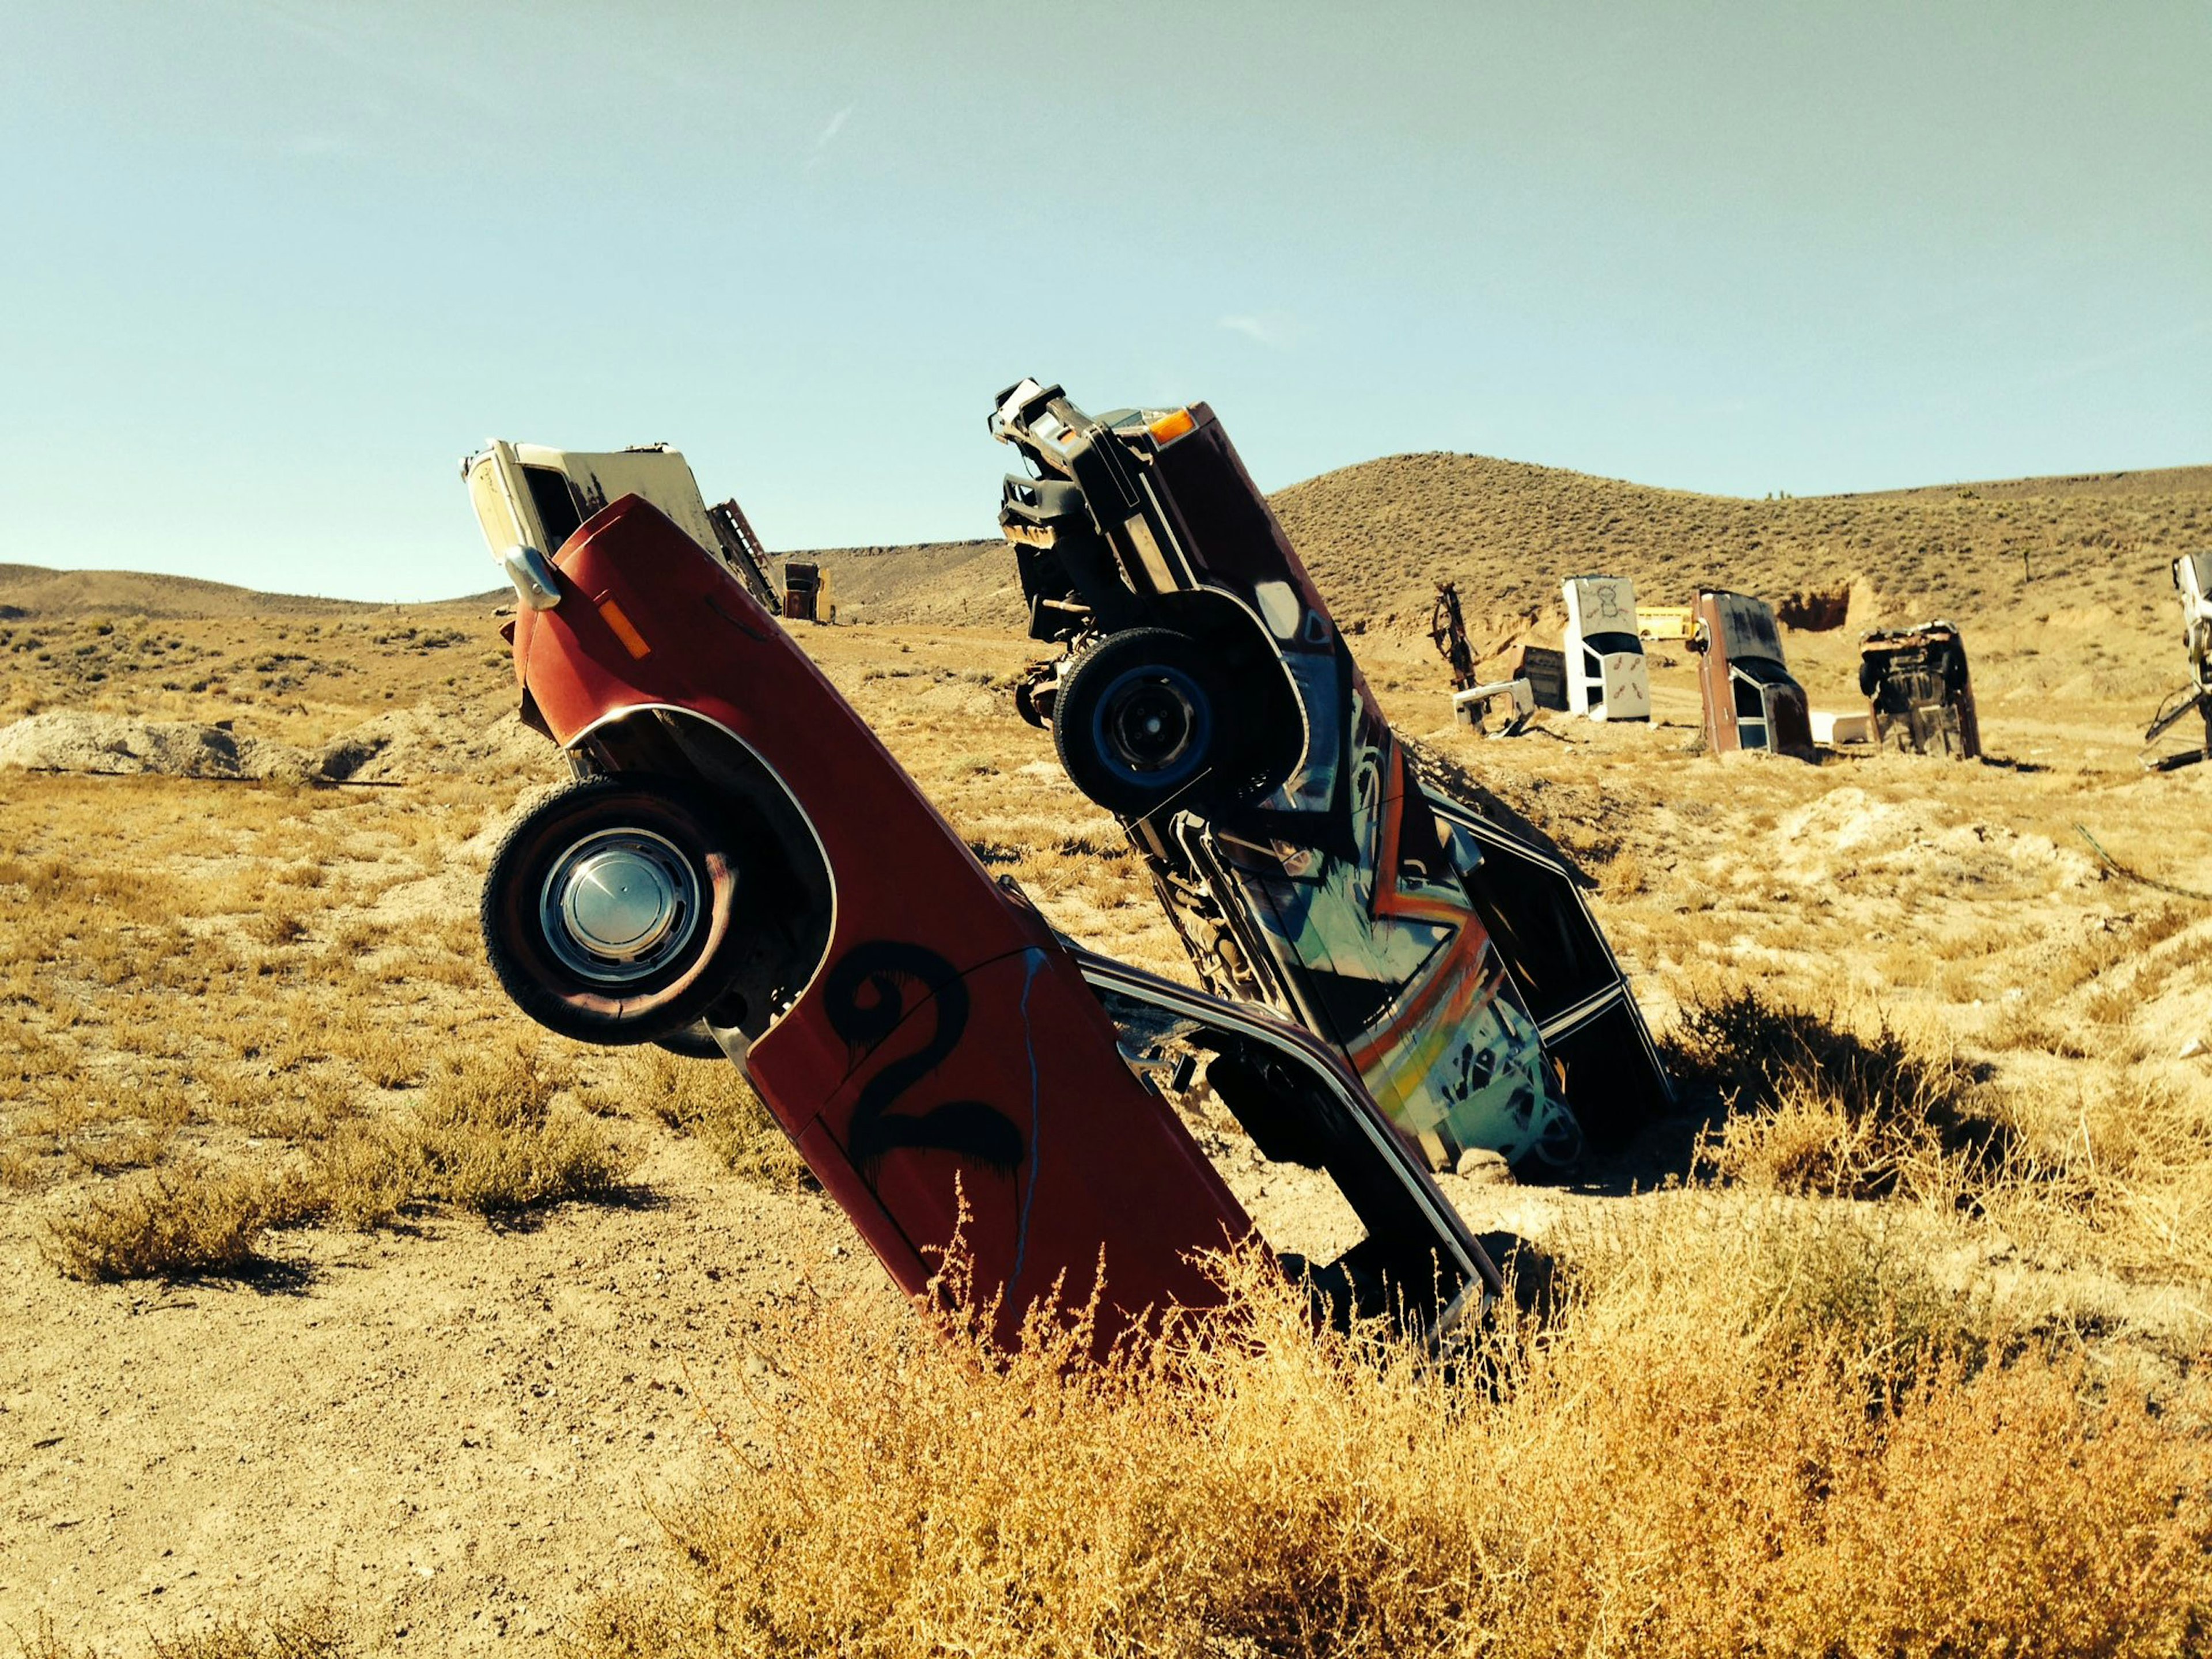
[(1663, 622)]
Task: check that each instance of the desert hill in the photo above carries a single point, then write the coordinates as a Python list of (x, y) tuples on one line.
[(1379, 535), (31, 590), (1507, 531)]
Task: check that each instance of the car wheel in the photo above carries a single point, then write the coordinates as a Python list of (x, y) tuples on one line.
[(607, 908), (1138, 722)]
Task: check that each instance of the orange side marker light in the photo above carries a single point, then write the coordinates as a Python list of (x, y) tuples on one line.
[(1166, 430), (624, 629)]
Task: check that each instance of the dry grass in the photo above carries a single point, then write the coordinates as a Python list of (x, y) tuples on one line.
[(1816, 1107), (487, 1136), (314, 1633), (1715, 1450), (711, 1100), (178, 1223)]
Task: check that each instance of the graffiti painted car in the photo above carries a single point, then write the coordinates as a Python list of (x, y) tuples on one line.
[(740, 866), (1607, 678), (1206, 696)]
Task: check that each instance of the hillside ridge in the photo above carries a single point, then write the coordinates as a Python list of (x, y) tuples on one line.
[(1378, 535)]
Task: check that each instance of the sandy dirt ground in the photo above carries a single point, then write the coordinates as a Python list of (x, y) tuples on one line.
[(454, 1436)]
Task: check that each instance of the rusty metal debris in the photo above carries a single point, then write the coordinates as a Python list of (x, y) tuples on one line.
[(806, 592), (743, 552), (1923, 699), (1448, 633), (1546, 670)]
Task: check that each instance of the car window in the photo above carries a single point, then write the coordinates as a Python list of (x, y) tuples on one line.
[(1613, 644), (557, 507)]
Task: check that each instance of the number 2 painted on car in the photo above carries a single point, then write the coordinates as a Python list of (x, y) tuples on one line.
[(866, 999)]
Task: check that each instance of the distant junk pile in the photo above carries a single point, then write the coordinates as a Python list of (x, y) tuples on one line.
[(1920, 699)]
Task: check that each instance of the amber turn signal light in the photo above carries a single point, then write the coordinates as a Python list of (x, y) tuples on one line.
[(1169, 428)]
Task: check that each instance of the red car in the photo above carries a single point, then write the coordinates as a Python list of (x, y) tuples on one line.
[(741, 863)]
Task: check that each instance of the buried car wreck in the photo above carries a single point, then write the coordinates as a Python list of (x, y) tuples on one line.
[(740, 868), (1208, 700)]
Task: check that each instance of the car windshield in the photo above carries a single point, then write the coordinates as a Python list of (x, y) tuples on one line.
[(1763, 670), (1615, 645)]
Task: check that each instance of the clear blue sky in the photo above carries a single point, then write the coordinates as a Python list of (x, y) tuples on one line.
[(270, 267)]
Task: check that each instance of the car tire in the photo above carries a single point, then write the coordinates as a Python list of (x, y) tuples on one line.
[(1140, 722), (609, 906)]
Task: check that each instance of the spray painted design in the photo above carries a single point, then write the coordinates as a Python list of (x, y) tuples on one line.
[(1208, 700), (1381, 950)]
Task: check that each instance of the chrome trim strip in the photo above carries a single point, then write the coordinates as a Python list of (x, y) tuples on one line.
[(1566, 1024)]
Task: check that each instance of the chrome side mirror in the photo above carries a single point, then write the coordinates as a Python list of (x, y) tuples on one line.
[(536, 583)]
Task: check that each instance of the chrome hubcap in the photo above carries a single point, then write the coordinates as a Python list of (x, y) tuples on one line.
[(620, 905)]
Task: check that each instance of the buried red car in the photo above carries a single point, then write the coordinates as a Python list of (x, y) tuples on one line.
[(740, 865)]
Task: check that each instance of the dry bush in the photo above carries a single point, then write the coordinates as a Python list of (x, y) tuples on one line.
[(2117, 1171), (712, 1100), (1816, 1107), (1685, 1464), (315, 1633), (2113, 944), (176, 1222), (365, 1176), (19, 1171), (487, 1135), (2026, 1026), (375, 1052)]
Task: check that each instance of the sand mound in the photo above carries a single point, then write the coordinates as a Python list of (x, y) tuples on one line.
[(1848, 831), (395, 748), (67, 740), (415, 743)]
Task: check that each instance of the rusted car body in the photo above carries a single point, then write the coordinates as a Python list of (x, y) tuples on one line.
[(807, 592), (1921, 697), (740, 867), (1751, 700), (1208, 698)]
